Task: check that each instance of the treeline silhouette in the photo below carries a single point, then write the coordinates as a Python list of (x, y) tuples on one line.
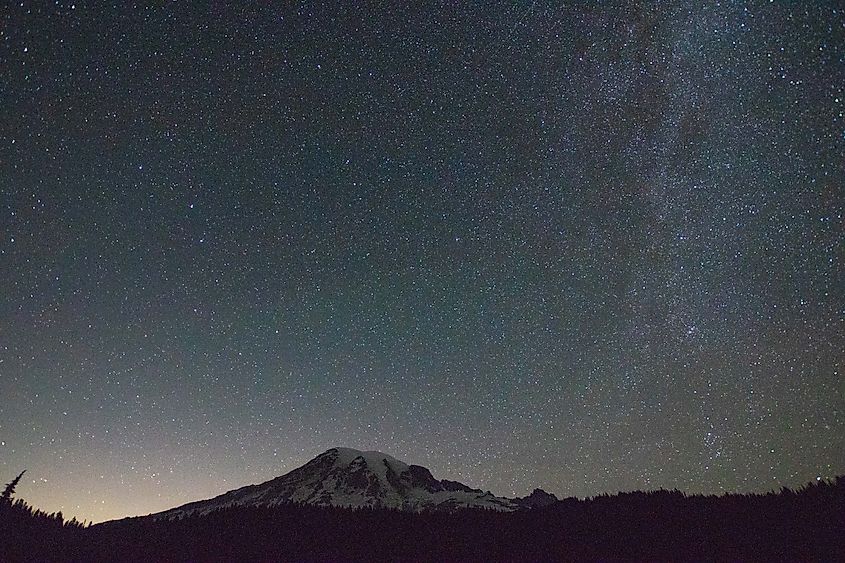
[(803, 525), (27, 534)]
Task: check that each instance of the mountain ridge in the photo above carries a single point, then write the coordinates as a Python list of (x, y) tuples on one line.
[(346, 477)]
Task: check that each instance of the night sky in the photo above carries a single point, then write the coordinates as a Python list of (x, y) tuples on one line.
[(581, 248)]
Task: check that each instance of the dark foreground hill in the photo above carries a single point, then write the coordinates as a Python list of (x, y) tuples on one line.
[(804, 525)]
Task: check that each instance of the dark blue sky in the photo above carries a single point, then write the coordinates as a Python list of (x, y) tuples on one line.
[(586, 248)]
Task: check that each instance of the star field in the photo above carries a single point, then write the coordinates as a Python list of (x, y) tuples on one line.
[(582, 248)]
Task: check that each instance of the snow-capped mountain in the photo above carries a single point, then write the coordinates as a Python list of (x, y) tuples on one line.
[(352, 478)]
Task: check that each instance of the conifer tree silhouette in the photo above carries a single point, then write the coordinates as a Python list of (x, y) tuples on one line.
[(10, 488)]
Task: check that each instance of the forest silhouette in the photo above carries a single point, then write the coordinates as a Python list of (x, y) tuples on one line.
[(795, 525)]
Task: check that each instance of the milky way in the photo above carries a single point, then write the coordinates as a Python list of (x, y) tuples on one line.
[(583, 248)]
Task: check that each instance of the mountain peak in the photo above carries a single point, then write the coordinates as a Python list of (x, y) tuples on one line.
[(347, 477), (537, 499), (372, 459)]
